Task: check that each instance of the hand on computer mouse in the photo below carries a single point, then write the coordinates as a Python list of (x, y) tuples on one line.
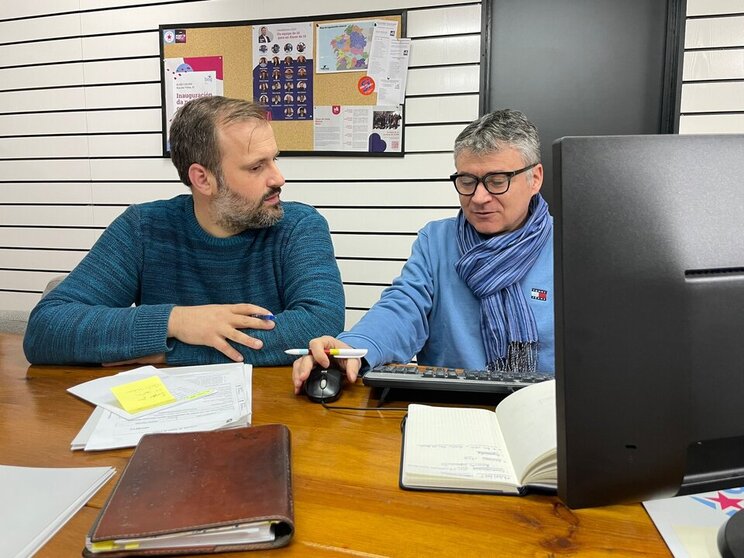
[(324, 385), (302, 366)]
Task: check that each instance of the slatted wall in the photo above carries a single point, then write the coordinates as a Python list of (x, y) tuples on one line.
[(80, 127), (80, 134), (713, 71)]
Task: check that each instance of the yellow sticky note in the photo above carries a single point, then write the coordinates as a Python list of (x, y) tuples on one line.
[(142, 394)]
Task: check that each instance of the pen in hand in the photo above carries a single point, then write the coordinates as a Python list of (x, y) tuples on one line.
[(338, 353), (263, 316)]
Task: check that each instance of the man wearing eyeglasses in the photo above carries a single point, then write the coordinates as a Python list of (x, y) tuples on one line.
[(477, 289)]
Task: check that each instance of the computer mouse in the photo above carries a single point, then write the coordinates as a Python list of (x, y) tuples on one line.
[(324, 385)]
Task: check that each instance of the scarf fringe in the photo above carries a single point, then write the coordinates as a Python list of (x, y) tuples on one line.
[(521, 359)]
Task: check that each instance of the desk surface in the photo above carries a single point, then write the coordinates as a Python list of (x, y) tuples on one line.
[(345, 474)]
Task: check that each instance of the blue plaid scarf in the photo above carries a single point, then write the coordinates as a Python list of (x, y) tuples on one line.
[(492, 268)]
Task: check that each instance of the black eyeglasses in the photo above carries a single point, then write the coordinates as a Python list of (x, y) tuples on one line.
[(495, 182)]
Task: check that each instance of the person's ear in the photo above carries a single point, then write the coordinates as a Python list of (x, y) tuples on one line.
[(202, 180), (537, 178)]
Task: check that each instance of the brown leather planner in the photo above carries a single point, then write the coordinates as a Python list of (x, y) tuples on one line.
[(198, 493)]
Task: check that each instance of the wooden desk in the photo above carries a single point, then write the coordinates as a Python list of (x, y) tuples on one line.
[(345, 472)]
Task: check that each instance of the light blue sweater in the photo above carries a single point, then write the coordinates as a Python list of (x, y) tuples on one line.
[(156, 256), (430, 312)]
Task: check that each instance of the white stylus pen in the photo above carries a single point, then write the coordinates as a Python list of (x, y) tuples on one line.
[(338, 353)]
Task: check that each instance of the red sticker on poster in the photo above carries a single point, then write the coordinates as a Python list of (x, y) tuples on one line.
[(366, 85)]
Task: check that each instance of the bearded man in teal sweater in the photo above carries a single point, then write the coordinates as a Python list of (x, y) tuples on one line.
[(198, 278)]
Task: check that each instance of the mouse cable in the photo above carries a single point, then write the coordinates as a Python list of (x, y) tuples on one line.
[(342, 408)]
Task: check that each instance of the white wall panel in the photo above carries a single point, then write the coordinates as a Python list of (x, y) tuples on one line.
[(712, 124), (444, 21), (119, 96), (454, 108), (49, 193), (49, 123), (26, 280), (52, 27), (126, 145), (431, 138), (384, 193), (417, 166), (397, 246), (713, 7), (27, 77), (445, 50), (712, 97), (14, 9), (361, 271), (433, 81), (47, 260), (135, 19), (125, 169), (70, 215), (715, 32), (99, 4), (104, 215), (69, 170), (714, 64), (352, 317), (131, 120), (61, 50), (118, 46), (26, 237), (52, 146), (362, 296), (398, 220), (119, 71), (42, 100), (125, 194)]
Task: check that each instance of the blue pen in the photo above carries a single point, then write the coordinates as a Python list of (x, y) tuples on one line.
[(263, 316)]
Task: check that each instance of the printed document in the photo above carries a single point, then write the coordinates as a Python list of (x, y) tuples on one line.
[(228, 406)]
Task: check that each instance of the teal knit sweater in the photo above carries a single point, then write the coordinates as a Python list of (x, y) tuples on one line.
[(116, 303)]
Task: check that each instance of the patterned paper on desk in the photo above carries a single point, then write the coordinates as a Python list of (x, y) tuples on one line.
[(689, 524)]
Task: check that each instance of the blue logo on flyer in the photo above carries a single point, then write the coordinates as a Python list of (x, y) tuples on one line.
[(169, 36)]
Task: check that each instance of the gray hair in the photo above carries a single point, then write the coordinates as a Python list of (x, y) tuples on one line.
[(193, 132), (500, 130)]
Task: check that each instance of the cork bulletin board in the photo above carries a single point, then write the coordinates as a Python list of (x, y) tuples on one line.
[(330, 85)]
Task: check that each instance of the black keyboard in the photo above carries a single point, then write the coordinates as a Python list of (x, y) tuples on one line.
[(410, 376)]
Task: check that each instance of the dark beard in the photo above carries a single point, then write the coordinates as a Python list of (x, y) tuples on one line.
[(235, 215)]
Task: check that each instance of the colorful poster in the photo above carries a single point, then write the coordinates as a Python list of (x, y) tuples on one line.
[(358, 128), (282, 70), (190, 78), (345, 46)]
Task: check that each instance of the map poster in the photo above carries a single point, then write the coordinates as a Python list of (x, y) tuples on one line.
[(358, 128), (344, 46), (282, 70)]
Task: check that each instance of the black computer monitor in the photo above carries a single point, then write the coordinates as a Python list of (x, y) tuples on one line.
[(649, 316)]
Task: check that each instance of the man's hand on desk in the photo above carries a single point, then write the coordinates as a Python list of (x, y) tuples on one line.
[(302, 366), (212, 325)]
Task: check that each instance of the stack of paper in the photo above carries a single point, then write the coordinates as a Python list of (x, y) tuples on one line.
[(206, 398), (36, 502)]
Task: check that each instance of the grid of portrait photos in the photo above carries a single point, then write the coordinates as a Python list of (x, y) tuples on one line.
[(282, 75)]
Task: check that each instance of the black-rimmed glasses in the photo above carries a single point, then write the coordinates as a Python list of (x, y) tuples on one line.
[(495, 182)]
